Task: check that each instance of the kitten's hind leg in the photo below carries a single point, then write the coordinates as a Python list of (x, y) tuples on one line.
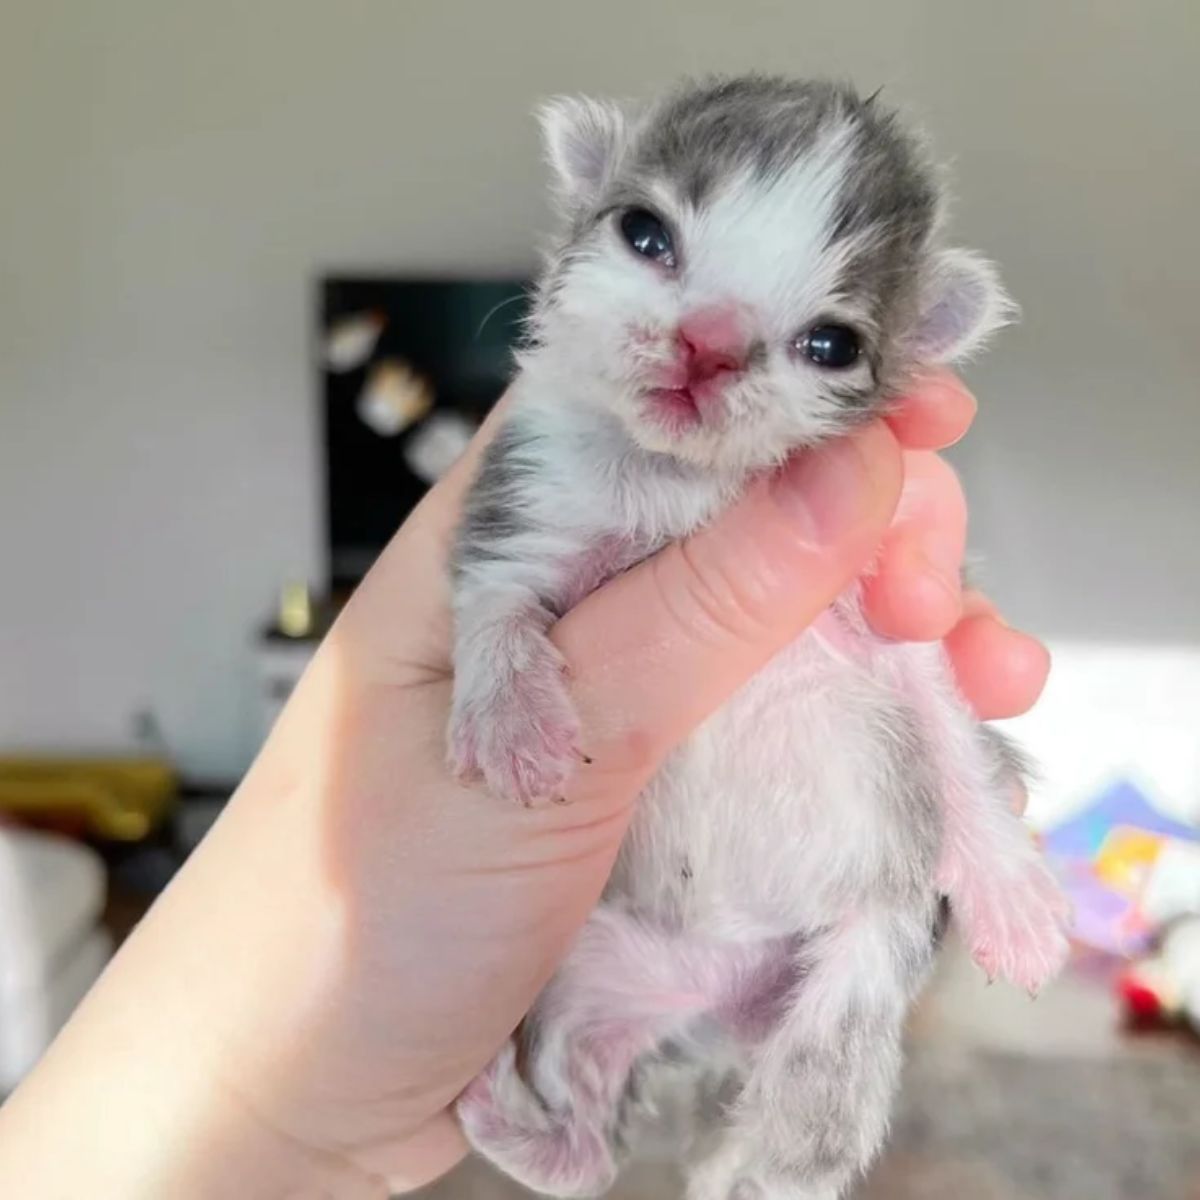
[(545, 1109), (815, 1106), (1004, 900)]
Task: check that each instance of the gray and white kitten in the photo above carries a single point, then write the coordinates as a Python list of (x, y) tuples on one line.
[(749, 266)]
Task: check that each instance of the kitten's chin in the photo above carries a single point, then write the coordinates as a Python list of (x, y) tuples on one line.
[(719, 454), (662, 422), (694, 445)]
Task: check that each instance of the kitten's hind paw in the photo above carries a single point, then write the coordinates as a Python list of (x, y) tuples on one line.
[(509, 1125), (1018, 932)]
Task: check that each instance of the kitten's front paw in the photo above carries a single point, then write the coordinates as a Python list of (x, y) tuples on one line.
[(1019, 930), (522, 740)]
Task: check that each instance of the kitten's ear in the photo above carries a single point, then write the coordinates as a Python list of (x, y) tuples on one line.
[(962, 305), (583, 140)]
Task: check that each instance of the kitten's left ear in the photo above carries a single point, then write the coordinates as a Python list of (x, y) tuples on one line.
[(962, 304), (584, 139)]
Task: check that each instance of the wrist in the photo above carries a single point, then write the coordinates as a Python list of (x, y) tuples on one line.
[(128, 1107), (170, 1079)]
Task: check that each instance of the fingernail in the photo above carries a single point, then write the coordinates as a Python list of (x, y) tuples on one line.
[(823, 490)]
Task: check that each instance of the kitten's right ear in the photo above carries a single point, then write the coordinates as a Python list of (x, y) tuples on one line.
[(962, 304), (583, 140)]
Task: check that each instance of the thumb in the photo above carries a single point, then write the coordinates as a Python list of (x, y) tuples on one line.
[(661, 647)]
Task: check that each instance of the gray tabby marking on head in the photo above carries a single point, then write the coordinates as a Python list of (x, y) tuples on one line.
[(719, 129), (888, 209), (710, 131)]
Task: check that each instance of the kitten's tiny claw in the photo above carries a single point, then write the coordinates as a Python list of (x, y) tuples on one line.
[(1016, 926), (984, 957)]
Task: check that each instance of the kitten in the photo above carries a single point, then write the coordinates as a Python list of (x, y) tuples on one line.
[(748, 267)]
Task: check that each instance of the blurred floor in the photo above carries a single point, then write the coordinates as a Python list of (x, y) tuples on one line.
[(1006, 1099)]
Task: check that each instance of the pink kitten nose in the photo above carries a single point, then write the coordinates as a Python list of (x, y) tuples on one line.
[(712, 342)]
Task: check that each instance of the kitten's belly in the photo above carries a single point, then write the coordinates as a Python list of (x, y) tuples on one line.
[(804, 794)]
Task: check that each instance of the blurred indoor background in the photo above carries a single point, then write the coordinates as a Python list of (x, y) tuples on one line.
[(179, 181)]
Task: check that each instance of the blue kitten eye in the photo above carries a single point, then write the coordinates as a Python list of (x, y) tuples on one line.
[(648, 236), (833, 346)]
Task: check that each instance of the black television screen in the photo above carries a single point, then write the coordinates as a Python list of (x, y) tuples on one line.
[(409, 368)]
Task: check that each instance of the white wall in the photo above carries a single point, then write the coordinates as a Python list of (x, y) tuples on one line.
[(174, 176)]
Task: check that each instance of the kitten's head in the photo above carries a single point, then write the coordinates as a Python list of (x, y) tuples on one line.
[(750, 266)]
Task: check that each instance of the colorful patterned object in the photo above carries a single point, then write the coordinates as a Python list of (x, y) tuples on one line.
[(1106, 857), (1126, 858)]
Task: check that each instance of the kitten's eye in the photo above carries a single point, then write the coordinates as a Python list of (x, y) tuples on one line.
[(834, 346), (648, 236)]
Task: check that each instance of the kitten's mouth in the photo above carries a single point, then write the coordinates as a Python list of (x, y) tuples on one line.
[(675, 408)]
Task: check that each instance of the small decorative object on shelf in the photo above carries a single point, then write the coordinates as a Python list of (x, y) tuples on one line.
[(285, 647), (295, 617)]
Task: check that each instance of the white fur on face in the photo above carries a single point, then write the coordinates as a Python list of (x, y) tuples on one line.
[(760, 248)]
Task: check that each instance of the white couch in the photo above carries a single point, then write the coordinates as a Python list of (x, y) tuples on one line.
[(52, 947)]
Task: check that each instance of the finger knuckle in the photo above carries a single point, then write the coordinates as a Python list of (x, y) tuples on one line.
[(710, 600)]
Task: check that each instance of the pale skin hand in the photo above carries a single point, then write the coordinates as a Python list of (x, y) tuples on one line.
[(357, 936)]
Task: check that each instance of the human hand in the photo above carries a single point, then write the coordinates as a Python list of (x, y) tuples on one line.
[(359, 934), (490, 898)]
